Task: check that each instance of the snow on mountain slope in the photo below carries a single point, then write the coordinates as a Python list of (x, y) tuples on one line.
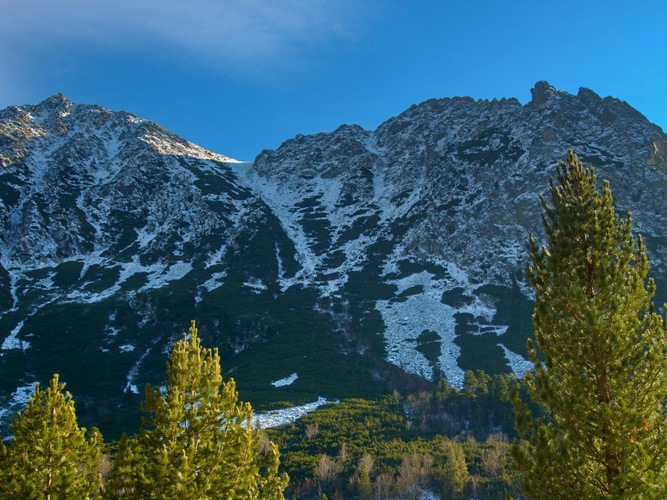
[(107, 218), (100, 188), (453, 184), (379, 253)]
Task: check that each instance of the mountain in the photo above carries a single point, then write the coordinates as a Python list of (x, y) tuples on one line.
[(348, 263)]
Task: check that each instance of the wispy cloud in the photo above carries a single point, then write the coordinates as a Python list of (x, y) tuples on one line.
[(239, 36)]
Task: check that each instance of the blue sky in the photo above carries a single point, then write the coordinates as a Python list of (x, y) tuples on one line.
[(239, 76)]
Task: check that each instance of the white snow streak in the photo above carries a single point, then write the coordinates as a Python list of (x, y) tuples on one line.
[(276, 418), (18, 400), (516, 362), (13, 342), (285, 381)]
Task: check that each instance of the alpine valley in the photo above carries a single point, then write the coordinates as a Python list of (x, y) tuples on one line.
[(341, 264)]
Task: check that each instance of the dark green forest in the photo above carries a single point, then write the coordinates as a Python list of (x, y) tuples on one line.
[(454, 443)]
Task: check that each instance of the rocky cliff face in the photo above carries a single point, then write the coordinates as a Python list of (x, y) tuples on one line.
[(467, 174), (399, 250)]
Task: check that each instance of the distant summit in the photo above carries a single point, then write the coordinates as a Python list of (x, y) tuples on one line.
[(541, 92)]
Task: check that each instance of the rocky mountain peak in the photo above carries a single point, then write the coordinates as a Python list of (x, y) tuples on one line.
[(55, 107), (541, 92), (55, 102)]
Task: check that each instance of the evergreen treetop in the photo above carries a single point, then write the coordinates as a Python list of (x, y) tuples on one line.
[(49, 455), (600, 353), (198, 441)]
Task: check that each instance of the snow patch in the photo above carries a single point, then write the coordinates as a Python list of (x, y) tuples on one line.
[(158, 275), (215, 281), (13, 342), (112, 331), (405, 320), (285, 381), (406, 317), (21, 396), (285, 416), (18, 400), (516, 362), (134, 373), (256, 284)]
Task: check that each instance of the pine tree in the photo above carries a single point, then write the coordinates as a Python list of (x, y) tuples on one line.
[(362, 477), (600, 353), (49, 456), (126, 470), (455, 473), (4, 470), (198, 441)]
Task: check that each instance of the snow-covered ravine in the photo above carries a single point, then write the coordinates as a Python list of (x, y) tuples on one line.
[(406, 318), (280, 204), (12, 342), (327, 192), (276, 418)]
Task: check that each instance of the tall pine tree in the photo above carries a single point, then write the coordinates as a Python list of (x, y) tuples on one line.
[(600, 353), (198, 441), (49, 456)]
